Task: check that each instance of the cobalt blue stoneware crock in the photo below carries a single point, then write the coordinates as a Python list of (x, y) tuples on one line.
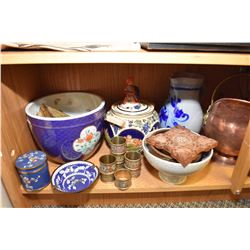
[(33, 170), (68, 138)]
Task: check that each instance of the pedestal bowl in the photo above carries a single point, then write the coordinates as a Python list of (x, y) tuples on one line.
[(173, 172)]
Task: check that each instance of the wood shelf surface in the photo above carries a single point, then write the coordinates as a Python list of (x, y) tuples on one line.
[(141, 57), (215, 176)]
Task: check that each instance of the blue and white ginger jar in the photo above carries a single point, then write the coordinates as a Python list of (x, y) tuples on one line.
[(131, 118)]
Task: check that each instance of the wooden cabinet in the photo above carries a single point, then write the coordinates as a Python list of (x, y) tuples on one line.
[(29, 75)]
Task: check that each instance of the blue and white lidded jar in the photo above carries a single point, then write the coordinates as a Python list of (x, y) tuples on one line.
[(33, 170), (183, 107), (131, 118)]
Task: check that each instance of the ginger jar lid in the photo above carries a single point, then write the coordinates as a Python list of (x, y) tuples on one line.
[(131, 105), (133, 109), (31, 160)]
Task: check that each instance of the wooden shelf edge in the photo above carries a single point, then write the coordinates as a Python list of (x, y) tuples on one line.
[(131, 57), (50, 191), (215, 176)]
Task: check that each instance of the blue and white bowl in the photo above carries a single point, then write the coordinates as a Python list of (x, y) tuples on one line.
[(74, 176), (68, 138)]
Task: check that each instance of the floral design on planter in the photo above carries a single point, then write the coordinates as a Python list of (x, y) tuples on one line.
[(89, 137)]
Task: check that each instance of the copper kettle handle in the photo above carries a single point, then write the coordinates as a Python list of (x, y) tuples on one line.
[(223, 81), (215, 90)]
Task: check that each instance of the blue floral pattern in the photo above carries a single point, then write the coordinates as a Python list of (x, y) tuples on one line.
[(172, 115), (27, 182), (138, 106), (146, 127), (115, 127), (74, 176)]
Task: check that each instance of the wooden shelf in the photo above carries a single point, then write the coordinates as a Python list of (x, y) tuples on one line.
[(213, 177), (141, 57), (26, 75)]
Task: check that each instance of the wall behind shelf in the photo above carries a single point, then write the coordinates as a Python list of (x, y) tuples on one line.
[(108, 80)]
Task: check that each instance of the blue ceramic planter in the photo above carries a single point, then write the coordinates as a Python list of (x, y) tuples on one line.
[(68, 138)]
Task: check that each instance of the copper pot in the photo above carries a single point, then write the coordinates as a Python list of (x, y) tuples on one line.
[(227, 122)]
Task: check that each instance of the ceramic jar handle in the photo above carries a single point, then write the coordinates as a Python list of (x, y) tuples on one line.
[(115, 120)]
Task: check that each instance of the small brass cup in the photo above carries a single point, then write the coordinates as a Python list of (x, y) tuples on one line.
[(123, 179), (118, 145), (107, 164), (134, 172), (107, 177), (133, 160), (120, 166), (119, 159)]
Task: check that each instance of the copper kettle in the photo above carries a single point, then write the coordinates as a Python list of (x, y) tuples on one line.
[(226, 121)]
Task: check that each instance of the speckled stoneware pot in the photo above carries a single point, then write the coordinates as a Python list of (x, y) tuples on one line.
[(68, 138)]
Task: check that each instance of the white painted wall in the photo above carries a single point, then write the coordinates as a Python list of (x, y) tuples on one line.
[(4, 199)]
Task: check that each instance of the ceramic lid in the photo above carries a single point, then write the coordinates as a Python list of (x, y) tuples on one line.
[(131, 105), (133, 109), (30, 160)]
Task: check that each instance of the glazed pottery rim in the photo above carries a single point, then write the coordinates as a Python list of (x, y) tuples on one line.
[(69, 163), (173, 164), (100, 107)]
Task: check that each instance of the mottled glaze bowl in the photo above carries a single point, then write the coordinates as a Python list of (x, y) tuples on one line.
[(173, 172), (68, 138)]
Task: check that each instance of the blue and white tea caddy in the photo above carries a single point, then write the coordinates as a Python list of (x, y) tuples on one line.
[(33, 170), (182, 106), (131, 118)]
